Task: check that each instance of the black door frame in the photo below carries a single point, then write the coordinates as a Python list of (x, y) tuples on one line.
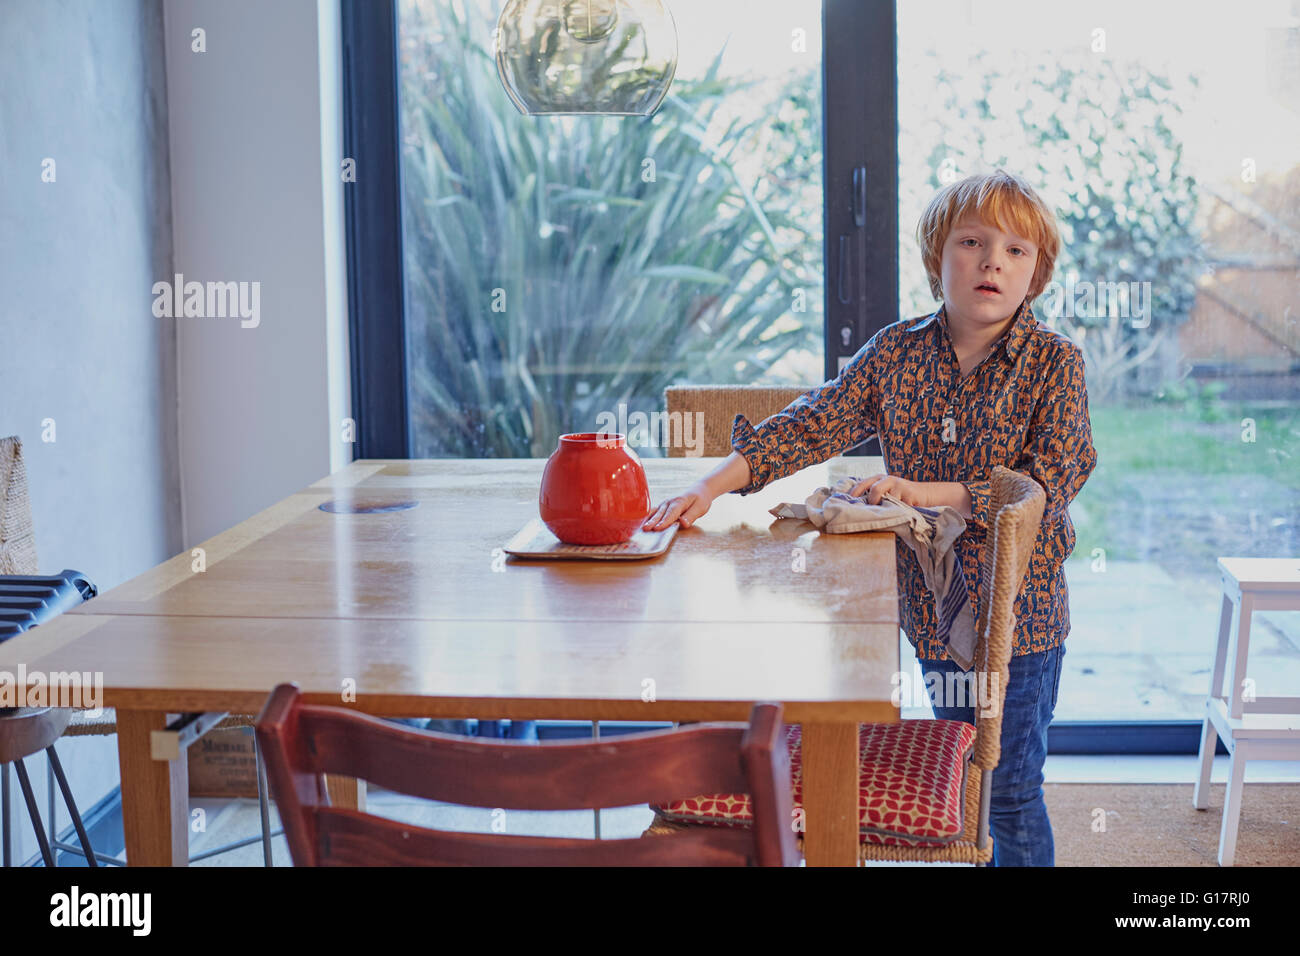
[(373, 220)]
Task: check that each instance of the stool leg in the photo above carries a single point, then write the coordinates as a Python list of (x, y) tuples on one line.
[(26, 786), (72, 806), (595, 735), (1210, 736), (1232, 804), (262, 804), (1240, 651), (52, 820), (1209, 743)]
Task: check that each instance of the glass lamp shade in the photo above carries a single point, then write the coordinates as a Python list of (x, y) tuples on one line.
[(565, 57)]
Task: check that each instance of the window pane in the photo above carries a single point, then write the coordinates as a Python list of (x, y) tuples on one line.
[(562, 271), (1165, 135)]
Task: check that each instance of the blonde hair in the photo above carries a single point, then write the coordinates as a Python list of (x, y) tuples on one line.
[(997, 199)]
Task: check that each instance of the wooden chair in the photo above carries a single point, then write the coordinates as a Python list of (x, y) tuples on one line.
[(959, 759), (302, 743), (720, 404)]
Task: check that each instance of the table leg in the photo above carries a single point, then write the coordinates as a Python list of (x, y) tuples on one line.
[(830, 794), (347, 793), (155, 794)]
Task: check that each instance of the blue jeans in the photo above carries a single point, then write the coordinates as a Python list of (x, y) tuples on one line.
[(1022, 834)]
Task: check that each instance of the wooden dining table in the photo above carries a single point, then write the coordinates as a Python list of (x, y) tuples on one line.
[(396, 599)]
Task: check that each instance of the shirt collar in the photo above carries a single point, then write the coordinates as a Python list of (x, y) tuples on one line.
[(1014, 338)]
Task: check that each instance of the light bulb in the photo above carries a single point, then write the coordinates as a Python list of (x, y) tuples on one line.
[(576, 57), (590, 21)]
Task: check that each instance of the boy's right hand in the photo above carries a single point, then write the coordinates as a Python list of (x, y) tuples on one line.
[(690, 505)]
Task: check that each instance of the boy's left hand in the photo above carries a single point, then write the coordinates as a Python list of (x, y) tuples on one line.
[(875, 486)]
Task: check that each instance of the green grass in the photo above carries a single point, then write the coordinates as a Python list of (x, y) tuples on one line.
[(1179, 482), (1199, 441)]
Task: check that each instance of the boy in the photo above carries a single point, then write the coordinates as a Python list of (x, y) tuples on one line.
[(978, 383)]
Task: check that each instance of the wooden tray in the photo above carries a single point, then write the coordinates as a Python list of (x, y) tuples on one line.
[(536, 541)]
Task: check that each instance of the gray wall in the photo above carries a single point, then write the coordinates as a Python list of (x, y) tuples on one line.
[(84, 83)]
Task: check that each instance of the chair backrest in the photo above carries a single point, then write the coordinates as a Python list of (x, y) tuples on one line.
[(719, 405), (17, 538), (1016, 509), (300, 743)]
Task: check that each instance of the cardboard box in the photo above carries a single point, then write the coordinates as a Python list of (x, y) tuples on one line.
[(223, 764)]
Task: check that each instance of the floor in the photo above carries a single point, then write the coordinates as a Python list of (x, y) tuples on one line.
[(227, 821)]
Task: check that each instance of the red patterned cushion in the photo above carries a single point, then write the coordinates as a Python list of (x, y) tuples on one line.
[(912, 780)]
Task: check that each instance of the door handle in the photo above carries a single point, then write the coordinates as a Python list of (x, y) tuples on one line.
[(860, 196)]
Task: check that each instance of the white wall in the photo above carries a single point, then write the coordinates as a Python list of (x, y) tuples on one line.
[(82, 83), (255, 129), (221, 165)]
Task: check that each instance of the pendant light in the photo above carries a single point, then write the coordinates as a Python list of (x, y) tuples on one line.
[(604, 57)]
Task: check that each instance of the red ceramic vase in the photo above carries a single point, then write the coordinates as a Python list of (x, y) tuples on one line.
[(594, 490)]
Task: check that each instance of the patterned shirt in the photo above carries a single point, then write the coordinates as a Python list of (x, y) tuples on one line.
[(1024, 407)]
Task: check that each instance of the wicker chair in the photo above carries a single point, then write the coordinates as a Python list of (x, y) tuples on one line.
[(18, 557), (17, 538), (720, 404), (1017, 506)]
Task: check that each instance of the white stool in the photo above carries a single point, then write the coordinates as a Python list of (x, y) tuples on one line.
[(1252, 729)]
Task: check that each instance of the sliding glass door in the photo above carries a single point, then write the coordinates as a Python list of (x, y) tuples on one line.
[(1166, 136), (513, 278)]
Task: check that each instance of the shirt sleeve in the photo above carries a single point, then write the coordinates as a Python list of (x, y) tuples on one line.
[(1058, 452), (833, 417), (980, 494)]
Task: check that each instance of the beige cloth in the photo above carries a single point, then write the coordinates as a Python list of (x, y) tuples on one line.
[(931, 533)]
